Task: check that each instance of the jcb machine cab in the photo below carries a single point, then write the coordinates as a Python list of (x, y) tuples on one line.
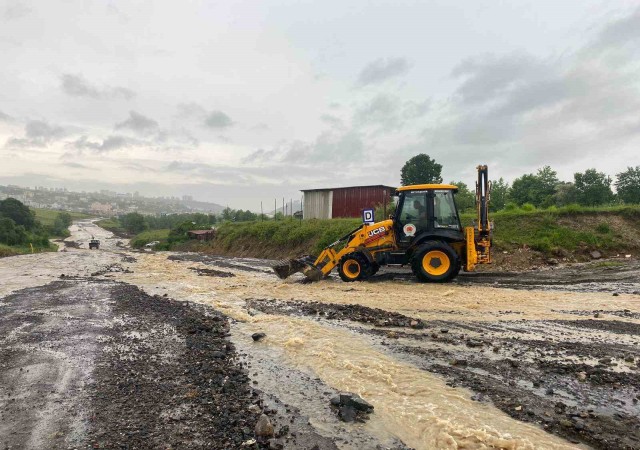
[(425, 232)]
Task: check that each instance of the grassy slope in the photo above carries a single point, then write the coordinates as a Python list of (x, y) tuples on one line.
[(47, 216), (574, 230), (141, 239)]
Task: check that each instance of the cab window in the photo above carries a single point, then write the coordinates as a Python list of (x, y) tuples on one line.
[(444, 210), (414, 208)]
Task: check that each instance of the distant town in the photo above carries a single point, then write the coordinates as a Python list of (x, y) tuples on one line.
[(105, 202)]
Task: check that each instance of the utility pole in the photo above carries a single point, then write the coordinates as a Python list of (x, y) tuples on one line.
[(261, 212)]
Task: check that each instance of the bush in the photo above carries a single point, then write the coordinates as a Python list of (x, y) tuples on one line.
[(528, 207), (511, 206)]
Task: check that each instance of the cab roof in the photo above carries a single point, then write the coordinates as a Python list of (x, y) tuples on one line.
[(420, 187)]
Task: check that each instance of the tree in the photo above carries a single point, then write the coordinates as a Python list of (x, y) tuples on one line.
[(628, 185), (499, 194), (465, 199), (134, 222), (421, 169), (10, 233), (536, 189), (61, 223), (566, 194), (18, 212), (593, 188)]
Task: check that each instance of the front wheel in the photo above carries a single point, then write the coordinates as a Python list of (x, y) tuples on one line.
[(435, 262), (353, 267)]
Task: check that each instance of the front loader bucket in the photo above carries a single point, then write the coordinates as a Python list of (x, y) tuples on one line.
[(285, 268)]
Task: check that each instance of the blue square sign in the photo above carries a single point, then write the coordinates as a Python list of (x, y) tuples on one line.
[(367, 216)]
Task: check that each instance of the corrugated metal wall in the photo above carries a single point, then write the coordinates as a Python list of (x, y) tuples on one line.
[(349, 202), (317, 205)]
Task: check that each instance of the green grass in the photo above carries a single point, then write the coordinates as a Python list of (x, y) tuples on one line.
[(557, 228), (112, 224), (12, 250), (570, 228), (47, 216), (142, 239), (289, 233)]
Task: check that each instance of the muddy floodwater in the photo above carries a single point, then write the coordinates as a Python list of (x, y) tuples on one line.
[(547, 360)]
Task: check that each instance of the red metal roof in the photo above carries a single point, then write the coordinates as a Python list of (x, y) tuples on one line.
[(392, 188), (200, 231)]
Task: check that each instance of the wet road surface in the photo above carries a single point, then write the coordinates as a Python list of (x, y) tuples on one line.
[(544, 360)]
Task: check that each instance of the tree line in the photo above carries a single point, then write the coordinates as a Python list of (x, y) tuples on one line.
[(18, 225), (542, 189)]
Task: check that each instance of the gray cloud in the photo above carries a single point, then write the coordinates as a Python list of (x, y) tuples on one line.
[(218, 120), (388, 113), (550, 110), (333, 121), (138, 123), (327, 149), (110, 143), (37, 133), (208, 172), (74, 165), (191, 110), (78, 86), (16, 10), (382, 69), (620, 32), (5, 117)]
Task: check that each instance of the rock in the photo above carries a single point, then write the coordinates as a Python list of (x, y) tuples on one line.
[(474, 343), (335, 400), (581, 376), (360, 404), (257, 336), (444, 330), (596, 315), (615, 294), (275, 444), (459, 362), (553, 262), (217, 354), (417, 324), (595, 254), (549, 391), (254, 409), (518, 408), (264, 428), (347, 413)]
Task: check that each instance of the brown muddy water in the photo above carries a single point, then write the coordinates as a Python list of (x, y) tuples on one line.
[(542, 360)]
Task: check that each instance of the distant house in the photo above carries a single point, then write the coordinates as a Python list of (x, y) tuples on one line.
[(345, 201), (201, 235)]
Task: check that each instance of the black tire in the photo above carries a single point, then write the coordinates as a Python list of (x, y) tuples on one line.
[(374, 269), (354, 267), (435, 262)]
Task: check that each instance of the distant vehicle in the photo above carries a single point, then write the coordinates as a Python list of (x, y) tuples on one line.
[(152, 244), (94, 243)]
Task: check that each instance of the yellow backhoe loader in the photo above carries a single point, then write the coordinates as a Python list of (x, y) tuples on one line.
[(424, 232)]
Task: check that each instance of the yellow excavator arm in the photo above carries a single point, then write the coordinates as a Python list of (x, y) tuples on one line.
[(478, 237)]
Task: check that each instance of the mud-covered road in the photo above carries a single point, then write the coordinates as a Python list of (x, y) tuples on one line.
[(155, 350)]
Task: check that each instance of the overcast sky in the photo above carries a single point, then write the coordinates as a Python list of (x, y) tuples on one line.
[(237, 102)]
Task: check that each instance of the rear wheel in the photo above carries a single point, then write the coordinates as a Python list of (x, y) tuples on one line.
[(353, 267), (435, 262)]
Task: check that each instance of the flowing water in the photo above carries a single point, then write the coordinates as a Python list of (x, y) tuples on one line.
[(412, 404)]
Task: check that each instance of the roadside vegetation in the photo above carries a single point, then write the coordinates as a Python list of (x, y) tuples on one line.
[(537, 211), (23, 230)]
